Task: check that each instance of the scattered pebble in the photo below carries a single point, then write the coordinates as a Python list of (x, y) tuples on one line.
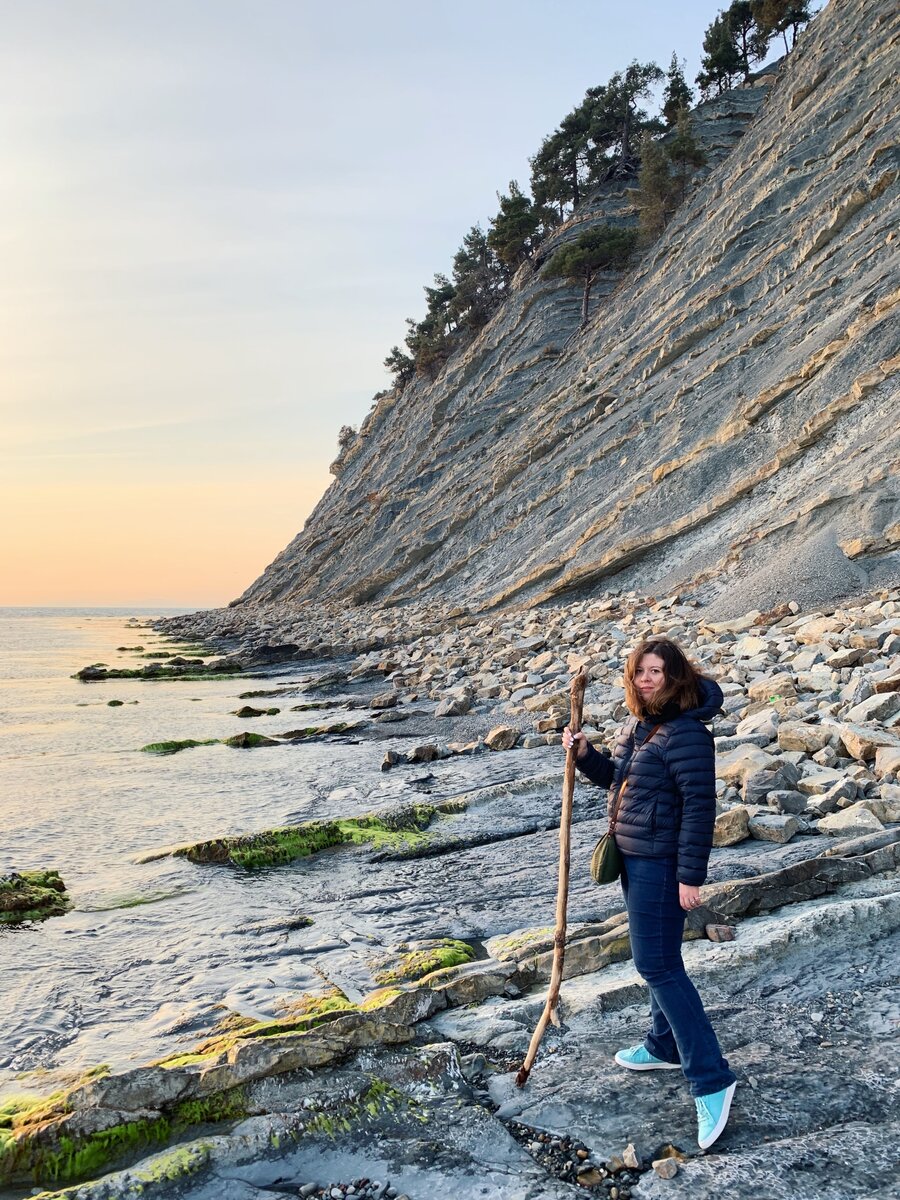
[(665, 1168)]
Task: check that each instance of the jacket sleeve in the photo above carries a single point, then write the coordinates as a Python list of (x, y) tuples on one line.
[(691, 760), (597, 767)]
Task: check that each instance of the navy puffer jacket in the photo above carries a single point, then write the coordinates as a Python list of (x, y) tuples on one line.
[(669, 806)]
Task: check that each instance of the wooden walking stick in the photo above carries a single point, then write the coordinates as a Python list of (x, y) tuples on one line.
[(550, 1013)]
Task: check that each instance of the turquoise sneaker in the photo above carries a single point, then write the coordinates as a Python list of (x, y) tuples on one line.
[(639, 1058), (712, 1115)]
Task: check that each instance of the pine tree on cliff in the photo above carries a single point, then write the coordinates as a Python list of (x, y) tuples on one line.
[(677, 94), (401, 366), (603, 248), (750, 45), (514, 231), (619, 121), (684, 153), (562, 166), (775, 17), (655, 191), (721, 62), (661, 189), (440, 303), (478, 281)]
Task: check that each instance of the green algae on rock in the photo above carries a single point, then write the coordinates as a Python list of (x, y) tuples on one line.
[(301, 1015), (33, 1143), (190, 671), (275, 847), (32, 896), (240, 741), (259, 692), (249, 711), (248, 741), (424, 960), (175, 747), (314, 731)]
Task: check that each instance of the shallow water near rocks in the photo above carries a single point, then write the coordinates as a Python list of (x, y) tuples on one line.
[(150, 948)]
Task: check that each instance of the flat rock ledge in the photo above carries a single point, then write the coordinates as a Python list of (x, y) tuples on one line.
[(435, 1111), (490, 1004)]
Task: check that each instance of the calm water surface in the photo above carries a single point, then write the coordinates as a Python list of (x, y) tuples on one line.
[(149, 949)]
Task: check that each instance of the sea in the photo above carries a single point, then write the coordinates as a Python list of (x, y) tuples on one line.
[(154, 949)]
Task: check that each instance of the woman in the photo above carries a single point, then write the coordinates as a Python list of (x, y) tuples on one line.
[(664, 829)]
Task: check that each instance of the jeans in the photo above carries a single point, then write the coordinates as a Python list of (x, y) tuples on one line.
[(679, 1031)]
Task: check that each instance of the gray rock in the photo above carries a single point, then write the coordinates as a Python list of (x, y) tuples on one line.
[(774, 827), (854, 821), (732, 826), (758, 785), (876, 708), (788, 801), (502, 737), (795, 735), (453, 707)]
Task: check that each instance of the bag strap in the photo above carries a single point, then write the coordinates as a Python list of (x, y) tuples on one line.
[(621, 792)]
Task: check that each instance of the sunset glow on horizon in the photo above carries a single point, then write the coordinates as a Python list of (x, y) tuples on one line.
[(214, 221)]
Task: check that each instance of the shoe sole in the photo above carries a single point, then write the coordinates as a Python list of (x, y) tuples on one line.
[(657, 1066), (722, 1121)]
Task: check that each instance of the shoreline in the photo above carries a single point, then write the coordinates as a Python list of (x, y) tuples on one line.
[(808, 837)]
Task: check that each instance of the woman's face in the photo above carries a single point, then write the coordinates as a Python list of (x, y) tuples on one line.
[(649, 675)]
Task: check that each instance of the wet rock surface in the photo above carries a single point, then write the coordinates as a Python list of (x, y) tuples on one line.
[(794, 948)]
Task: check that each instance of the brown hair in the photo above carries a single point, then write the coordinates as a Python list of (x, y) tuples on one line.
[(682, 684)]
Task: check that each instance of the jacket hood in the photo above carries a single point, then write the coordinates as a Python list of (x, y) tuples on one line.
[(711, 697)]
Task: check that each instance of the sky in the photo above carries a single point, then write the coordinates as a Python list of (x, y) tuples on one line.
[(214, 217)]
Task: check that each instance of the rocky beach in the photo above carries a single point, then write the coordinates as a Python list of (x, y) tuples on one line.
[(397, 1070)]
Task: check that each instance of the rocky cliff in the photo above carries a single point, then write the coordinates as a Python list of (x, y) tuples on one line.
[(727, 420)]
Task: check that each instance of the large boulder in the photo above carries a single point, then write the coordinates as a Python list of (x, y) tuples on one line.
[(454, 706), (787, 801), (797, 735), (851, 822), (763, 722), (879, 707), (887, 761), (774, 827), (783, 776), (819, 629), (502, 737), (779, 686), (744, 760), (732, 826), (862, 741)]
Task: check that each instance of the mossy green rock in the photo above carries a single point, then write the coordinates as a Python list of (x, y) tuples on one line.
[(31, 896), (249, 711), (248, 741), (175, 747), (315, 731), (422, 960), (275, 847), (189, 670), (39, 1141)]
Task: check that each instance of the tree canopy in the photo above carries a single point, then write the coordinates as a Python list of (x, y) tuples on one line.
[(602, 248), (608, 135), (677, 94)]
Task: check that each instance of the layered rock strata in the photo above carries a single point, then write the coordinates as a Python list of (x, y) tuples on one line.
[(729, 414)]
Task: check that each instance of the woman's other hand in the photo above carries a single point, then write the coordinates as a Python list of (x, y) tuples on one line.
[(688, 896), (578, 740)]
